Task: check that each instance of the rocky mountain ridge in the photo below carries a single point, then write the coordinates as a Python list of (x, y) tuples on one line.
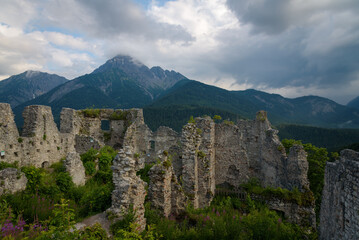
[(28, 85)]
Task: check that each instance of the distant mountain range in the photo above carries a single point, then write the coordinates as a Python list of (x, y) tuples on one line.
[(169, 98), (354, 103), (23, 87), (309, 110)]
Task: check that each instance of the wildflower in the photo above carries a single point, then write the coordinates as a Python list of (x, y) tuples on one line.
[(234, 216), (217, 213), (279, 220)]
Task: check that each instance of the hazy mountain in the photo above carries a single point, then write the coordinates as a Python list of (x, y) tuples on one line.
[(23, 87), (354, 103), (121, 82), (309, 110)]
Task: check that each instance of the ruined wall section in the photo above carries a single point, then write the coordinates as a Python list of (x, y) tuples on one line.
[(251, 149), (9, 135), (41, 144), (164, 192), (191, 139), (88, 125), (339, 214), (129, 189), (198, 161), (206, 161)]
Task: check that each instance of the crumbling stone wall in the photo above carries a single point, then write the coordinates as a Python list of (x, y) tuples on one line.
[(339, 213), (12, 180), (129, 188), (251, 149), (203, 156), (164, 192), (75, 168), (42, 144)]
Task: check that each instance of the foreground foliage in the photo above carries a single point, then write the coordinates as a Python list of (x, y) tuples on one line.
[(41, 211)]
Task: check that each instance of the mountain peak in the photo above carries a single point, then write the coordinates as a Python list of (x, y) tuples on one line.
[(125, 59), (31, 73), (121, 62)]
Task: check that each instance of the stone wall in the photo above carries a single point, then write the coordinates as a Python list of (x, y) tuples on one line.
[(204, 155), (129, 189), (12, 180), (164, 192), (251, 149), (339, 214), (42, 144)]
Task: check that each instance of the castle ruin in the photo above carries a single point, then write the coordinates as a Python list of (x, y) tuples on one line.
[(187, 166)]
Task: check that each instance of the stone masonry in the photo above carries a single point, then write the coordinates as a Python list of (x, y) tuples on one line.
[(339, 213), (75, 168), (188, 166), (41, 143), (129, 193), (12, 180)]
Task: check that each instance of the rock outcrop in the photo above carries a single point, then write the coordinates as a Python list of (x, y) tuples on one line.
[(339, 213)]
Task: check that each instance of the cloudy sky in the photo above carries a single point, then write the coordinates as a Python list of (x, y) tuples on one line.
[(290, 47)]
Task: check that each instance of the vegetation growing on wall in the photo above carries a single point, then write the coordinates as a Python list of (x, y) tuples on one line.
[(317, 158)]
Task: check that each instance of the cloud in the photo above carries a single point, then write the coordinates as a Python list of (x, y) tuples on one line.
[(290, 47), (109, 19)]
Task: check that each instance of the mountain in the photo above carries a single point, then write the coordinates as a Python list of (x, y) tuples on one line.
[(23, 87), (309, 110), (122, 82), (354, 103)]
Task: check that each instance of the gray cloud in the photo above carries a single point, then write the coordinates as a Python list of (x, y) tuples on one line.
[(311, 45), (108, 19)]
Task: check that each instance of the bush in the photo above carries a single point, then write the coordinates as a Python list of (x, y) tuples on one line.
[(33, 176), (4, 165), (89, 156), (64, 181), (90, 168)]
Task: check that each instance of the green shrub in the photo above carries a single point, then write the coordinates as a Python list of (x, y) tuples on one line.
[(103, 176), (20, 140), (64, 181), (125, 222), (33, 176), (94, 232), (90, 112), (105, 161), (90, 168), (217, 117), (4, 165), (89, 156), (119, 115), (191, 120)]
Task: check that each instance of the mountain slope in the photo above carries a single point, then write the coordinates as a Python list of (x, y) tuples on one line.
[(120, 83), (28, 85), (309, 110), (354, 103)]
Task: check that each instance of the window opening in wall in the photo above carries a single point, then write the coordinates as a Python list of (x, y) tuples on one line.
[(105, 125), (15, 153), (2, 154), (152, 144), (10, 146)]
